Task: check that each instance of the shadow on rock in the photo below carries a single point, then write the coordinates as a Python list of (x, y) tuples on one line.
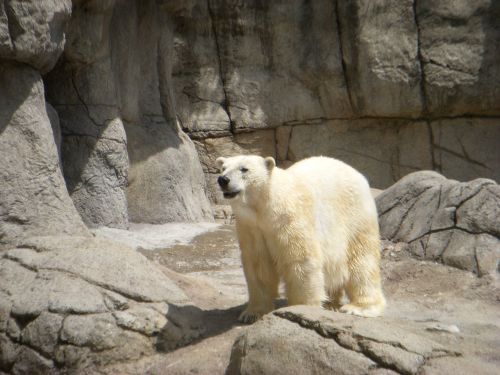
[(189, 324)]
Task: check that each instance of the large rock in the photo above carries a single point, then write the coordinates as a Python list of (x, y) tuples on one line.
[(306, 340), (32, 31), (34, 200), (75, 302), (124, 155), (445, 220), (94, 143)]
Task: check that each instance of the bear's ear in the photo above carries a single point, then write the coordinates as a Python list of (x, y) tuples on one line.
[(220, 162), (270, 163)]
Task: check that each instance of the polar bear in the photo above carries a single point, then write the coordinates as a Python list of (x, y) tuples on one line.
[(313, 226)]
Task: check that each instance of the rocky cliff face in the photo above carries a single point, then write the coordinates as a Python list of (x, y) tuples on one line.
[(109, 123), (389, 87)]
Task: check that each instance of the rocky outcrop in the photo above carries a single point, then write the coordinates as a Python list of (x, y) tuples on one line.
[(124, 156), (32, 32), (68, 303), (306, 340), (445, 220), (33, 196), (389, 88)]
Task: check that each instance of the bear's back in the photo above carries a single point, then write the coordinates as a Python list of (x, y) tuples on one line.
[(341, 194)]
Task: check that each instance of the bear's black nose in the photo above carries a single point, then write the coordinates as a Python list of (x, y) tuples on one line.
[(223, 181)]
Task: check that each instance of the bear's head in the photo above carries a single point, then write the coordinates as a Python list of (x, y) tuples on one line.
[(244, 176)]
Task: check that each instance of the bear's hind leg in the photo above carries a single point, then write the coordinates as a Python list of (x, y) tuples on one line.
[(364, 287)]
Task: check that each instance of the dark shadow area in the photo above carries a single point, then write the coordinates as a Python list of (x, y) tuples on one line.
[(189, 325)]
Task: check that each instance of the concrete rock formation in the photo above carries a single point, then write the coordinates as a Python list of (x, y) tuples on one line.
[(391, 87), (33, 196), (445, 220), (123, 153), (74, 302), (114, 112), (307, 340)]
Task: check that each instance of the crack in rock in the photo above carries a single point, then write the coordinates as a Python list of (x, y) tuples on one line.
[(388, 354)]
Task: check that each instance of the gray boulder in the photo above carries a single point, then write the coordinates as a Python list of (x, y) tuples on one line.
[(71, 303), (444, 220), (308, 340), (32, 31)]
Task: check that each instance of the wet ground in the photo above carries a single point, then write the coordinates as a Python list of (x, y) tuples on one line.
[(210, 251)]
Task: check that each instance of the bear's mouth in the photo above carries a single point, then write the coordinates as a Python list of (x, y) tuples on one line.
[(230, 194)]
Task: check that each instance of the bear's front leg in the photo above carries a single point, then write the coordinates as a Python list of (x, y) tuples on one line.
[(262, 291), (260, 274)]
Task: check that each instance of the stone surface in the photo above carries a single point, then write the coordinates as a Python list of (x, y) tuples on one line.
[(434, 311), (380, 50), (42, 333), (383, 150), (32, 32), (82, 302), (305, 340), (405, 81), (91, 259), (459, 56), (276, 346), (141, 319), (34, 197), (124, 155), (287, 66), (465, 149), (446, 220)]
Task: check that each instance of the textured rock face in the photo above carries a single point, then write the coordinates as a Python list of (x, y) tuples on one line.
[(123, 154), (74, 302), (32, 32), (305, 340), (33, 195), (446, 220), (34, 199), (354, 80)]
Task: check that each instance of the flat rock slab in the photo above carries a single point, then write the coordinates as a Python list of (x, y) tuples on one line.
[(308, 340)]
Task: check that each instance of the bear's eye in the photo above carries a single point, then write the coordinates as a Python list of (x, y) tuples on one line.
[(243, 170)]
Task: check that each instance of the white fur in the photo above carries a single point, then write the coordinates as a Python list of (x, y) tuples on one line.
[(313, 225)]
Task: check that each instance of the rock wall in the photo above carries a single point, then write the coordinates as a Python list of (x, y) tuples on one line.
[(123, 153), (33, 196), (109, 124), (390, 87)]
